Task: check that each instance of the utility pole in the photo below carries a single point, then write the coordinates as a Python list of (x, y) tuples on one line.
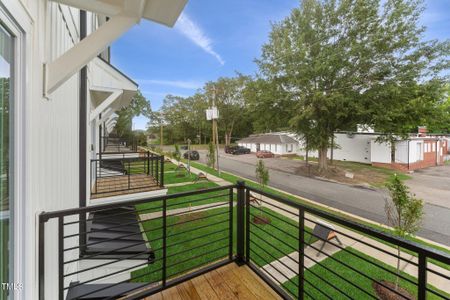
[(189, 156), (213, 127), (161, 138), (213, 114)]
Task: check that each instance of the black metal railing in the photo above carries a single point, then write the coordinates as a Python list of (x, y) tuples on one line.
[(116, 144), (119, 171), (188, 234), (313, 254), (160, 242)]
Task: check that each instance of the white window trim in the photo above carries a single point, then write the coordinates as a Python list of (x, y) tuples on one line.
[(18, 20)]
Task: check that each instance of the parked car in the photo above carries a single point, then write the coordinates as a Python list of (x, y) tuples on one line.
[(240, 150), (264, 154), (192, 155), (230, 149)]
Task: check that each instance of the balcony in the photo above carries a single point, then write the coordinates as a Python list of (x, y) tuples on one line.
[(118, 174), (115, 144), (244, 243)]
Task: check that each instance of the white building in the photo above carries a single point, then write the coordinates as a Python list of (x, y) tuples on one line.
[(56, 96), (277, 143), (363, 147)]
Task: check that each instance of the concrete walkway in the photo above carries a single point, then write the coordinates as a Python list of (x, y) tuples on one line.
[(178, 184), (352, 239), (184, 210)]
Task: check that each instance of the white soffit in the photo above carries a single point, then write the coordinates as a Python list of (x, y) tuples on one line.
[(123, 14), (110, 88)]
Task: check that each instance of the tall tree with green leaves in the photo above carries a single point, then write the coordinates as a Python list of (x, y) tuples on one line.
[(349, 62), (268, 106), (139, 105), (229, 99)]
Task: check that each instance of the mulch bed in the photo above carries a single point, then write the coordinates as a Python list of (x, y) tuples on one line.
[(384, 293), (190, 217), (261, 220)]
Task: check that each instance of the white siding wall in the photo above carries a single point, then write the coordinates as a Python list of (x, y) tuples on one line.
[(353, 148), (278, 149), (51, 136), (380, 152), (415, 151)]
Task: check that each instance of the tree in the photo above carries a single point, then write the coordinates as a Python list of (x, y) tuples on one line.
[(348, 62), (211, 155), (440, 123), (177, 154), (139, 105), (268, 106), (262, 176), (228, 96), (404, 213)]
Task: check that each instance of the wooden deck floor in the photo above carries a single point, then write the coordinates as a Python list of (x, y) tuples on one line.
[(118, 185), (228, 282)]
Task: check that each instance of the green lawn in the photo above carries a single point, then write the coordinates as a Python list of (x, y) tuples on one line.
[(188, 231), (178, 177), (168, 166), (232, 178), (319, 277), (200, 199)]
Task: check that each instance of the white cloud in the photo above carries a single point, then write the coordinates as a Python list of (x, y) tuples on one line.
[(184, 84), (193, 32)]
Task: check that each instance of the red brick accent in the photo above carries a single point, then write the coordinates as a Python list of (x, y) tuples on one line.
[(429, 160)]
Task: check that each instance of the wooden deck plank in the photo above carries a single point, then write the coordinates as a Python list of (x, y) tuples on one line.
[(228, 282), (118, 185), (240, 291), (204, 289), (187, 290), (219, 285), (254, 283), (171, 294)]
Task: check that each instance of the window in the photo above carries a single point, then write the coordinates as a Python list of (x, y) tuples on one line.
[(433, 147), (6, 100)]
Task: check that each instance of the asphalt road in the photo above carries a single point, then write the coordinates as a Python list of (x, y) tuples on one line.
[(364, 202)]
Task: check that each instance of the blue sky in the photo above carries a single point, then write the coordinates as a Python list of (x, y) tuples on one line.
[(213, 39)]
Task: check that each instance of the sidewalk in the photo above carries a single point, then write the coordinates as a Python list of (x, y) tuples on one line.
[(356, 241)]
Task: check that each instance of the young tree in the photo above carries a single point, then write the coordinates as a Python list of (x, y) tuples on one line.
[(211, 155), (262, 176), (177, 153), (404, 213), (349, 62)]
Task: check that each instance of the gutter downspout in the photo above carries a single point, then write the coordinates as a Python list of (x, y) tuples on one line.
[(82, 137)]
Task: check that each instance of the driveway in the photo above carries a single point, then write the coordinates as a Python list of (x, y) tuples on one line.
[(432, 185), (364, 202)]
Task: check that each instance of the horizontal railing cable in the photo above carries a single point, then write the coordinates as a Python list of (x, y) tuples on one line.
[(279, 229), (277, 249), (367, 244), (361, 257), (349, 267)]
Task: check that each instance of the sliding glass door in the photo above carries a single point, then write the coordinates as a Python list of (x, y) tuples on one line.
[(6, 101)]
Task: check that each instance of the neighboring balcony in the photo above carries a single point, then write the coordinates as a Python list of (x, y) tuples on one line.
[(115, 144), (228, 242), (117, 175)]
